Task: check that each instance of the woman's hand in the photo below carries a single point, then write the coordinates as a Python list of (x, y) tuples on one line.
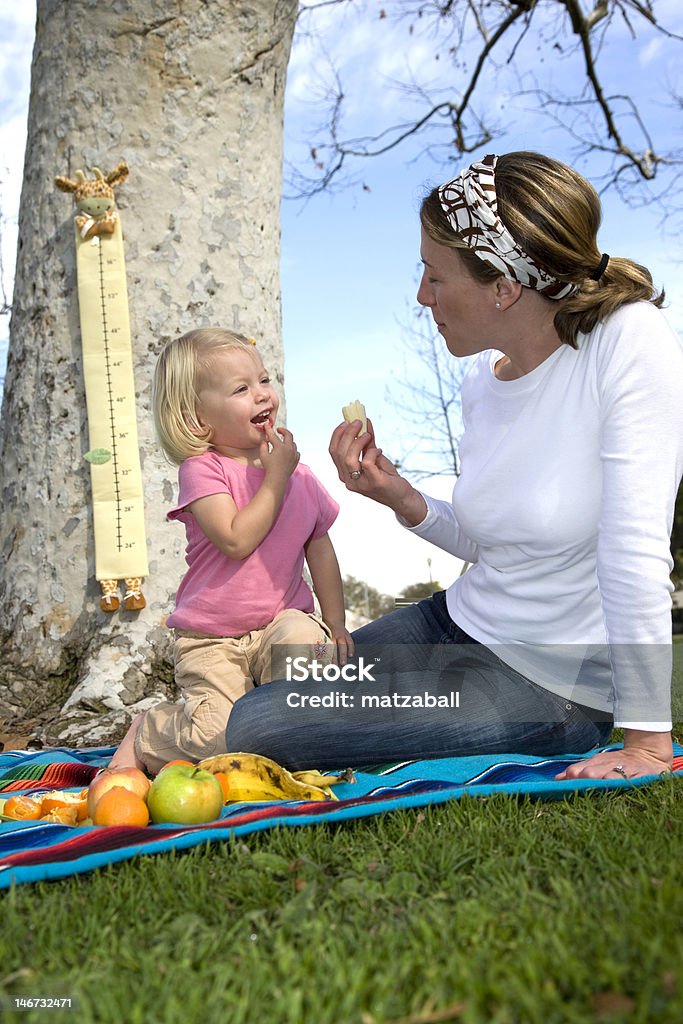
[(644, 753), (364, 469)]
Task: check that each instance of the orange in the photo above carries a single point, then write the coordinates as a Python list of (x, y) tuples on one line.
[(225, 785), (24, 808), (62, 798), (178, 761), (64, 815), (118, 806)]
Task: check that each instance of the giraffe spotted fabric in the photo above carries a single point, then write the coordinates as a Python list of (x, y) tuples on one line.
[(471, 206), (95, 199)]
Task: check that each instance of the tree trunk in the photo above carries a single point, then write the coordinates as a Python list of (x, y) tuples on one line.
[(190, 95)]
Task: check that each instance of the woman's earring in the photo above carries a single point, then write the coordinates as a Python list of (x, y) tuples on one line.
[(498, 305)]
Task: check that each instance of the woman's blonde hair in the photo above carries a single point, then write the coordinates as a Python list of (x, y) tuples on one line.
[(177, 381), (553, 214)]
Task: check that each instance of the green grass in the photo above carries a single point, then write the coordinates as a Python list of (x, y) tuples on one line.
[(677, 685), (506, 911)]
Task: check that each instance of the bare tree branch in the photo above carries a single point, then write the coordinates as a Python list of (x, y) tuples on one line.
[(485, 28), (646, 162), (432, 407)]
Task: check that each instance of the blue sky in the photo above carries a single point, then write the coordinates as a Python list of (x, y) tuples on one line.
[(350, 258)]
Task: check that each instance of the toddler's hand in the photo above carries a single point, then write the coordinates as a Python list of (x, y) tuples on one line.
[(344, 644), (279, 454)]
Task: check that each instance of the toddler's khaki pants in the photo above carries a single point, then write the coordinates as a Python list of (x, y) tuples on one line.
[(212, 673)]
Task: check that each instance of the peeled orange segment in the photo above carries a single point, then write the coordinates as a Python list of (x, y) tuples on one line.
[(23, 808), (63, 815), (60, 798)]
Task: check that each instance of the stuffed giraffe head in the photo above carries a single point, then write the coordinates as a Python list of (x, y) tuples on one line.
[(94, 196)]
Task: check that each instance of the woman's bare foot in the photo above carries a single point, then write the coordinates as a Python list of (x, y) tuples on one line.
[(124, 755)]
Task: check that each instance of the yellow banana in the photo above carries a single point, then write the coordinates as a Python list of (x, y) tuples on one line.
[(312, 778), (254, 777), (355, 411)]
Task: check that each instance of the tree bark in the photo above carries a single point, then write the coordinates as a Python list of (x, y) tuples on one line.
[(190, 93)]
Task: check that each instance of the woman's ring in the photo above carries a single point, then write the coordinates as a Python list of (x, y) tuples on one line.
[(354, 474), (619, 769)]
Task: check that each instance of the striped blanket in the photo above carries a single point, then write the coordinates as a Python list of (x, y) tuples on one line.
[(34, 850)]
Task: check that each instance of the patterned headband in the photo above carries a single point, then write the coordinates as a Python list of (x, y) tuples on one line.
[(471, 206)]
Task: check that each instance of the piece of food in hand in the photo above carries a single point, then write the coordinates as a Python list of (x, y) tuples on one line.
[(356, 411)]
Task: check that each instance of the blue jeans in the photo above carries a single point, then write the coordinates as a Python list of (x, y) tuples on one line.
[(434, 692)]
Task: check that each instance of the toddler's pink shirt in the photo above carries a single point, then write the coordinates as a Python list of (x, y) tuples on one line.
[(222, 596)]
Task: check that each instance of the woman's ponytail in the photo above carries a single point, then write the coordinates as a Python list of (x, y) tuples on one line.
[(622, 281)]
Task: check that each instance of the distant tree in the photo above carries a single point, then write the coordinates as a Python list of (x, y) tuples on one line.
[(364, 600), (430, 406), (418, 591)]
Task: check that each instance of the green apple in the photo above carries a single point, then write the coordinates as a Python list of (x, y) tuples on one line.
[(184, 795)]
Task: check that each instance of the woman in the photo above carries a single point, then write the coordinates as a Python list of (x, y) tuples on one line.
[(570, 461)]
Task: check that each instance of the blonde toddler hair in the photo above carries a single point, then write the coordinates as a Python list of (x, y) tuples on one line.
[(177, 381)]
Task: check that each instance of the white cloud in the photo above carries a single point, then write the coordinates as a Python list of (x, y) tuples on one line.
[(651, 51), (370, 54)]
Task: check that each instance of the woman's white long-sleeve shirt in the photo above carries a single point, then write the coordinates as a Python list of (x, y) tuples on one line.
[(565, 505)]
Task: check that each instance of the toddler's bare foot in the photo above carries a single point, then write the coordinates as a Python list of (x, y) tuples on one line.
[(124, 755)]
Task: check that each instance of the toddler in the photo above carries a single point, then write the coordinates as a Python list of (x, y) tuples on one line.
[(252, 514)]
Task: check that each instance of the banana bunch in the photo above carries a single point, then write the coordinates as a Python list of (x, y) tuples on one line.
[(356, 411), (254, 777)]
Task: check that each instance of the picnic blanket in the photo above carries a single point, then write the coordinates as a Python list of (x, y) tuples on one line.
[(31, 851)]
